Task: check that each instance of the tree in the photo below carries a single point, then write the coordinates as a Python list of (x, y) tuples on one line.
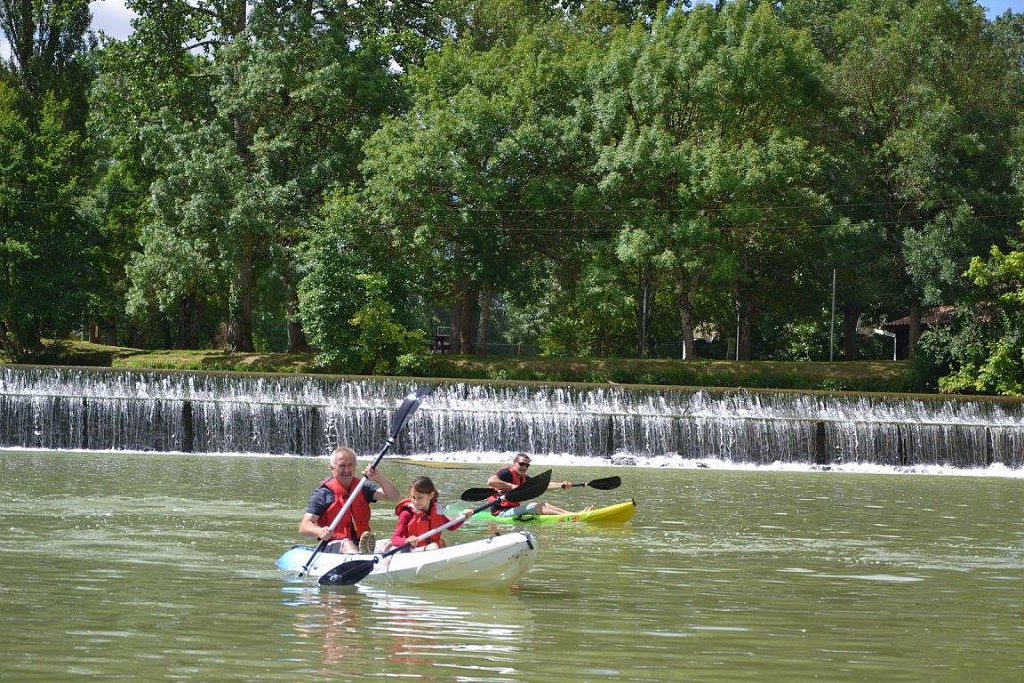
[(983, 350), (48, 243), (701, 151), (926, 105), (355, 298), (480, 174), (47, 39), (259, 115)]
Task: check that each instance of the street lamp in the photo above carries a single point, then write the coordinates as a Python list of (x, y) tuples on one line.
[(887, 333)]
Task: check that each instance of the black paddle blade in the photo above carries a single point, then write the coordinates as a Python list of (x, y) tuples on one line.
[(408, 407), (348, 573), (606, 484), (533, 487), (477, 494)]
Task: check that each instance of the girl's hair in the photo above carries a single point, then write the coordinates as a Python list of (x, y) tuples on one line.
[(423, 484)]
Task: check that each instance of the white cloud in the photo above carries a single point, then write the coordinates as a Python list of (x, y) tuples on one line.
[(111, 17)]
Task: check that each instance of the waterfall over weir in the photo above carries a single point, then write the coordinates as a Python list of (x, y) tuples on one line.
[(104, 409)]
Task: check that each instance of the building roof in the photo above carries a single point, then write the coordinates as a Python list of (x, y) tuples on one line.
[(933, 316)]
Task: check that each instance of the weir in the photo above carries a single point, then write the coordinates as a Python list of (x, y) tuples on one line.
[(168, 411)]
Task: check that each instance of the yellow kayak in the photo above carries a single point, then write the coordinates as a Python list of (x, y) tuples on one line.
[(620, 513)]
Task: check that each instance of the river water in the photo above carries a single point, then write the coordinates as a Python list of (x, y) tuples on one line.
[(160, 567)]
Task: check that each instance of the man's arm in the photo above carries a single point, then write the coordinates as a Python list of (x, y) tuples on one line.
[(386, 490), (501, 480), (310, 524)]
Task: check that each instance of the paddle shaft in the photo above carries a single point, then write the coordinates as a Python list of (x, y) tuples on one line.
[(408, 407), (605, 484)]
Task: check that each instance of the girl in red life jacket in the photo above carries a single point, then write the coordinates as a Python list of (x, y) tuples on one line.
[(419, 513)]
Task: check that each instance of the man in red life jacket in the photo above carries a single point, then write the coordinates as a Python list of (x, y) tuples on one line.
[(328, 499), (508, 478)]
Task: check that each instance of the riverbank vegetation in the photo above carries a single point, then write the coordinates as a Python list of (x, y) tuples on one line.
[(357, 185), (865, 376)]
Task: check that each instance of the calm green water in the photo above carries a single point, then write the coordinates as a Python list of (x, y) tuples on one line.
[(161, 568)]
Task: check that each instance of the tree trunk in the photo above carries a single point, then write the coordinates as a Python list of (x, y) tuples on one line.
[(643, 314), (188, 330), (914, 329), (463, 316), (297, 342), (485, 299), (240, 324), (745, 333), (851, 314), (685, 321), (233, 23)]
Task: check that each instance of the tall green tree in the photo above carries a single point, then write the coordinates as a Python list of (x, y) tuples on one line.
[(481, 174), (47, 39), (927, 102), (700, 127), (48, 242), (357, 299), (262, 112)]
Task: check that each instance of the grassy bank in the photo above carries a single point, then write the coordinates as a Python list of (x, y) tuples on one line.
[(869, 376)]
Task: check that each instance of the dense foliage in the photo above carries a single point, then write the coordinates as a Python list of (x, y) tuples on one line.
[(605, 179)]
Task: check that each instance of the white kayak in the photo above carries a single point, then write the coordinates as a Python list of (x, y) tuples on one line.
[(493, 563)]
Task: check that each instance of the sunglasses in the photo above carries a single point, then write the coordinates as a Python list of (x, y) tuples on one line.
[(524, 465)]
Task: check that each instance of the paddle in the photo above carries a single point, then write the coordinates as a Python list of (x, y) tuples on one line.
[(605, 484), (353, 571), (398, 422)]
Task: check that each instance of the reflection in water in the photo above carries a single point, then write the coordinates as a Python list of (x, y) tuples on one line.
[(395, 631), (330, 621)]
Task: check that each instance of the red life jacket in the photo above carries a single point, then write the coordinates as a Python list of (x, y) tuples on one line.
[(517, 480), (356, 520), (421, 522)]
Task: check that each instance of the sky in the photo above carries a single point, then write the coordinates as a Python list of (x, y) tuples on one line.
[(997, 7), (111, 17)]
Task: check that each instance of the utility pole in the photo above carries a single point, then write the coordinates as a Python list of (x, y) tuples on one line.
[(832, 325)]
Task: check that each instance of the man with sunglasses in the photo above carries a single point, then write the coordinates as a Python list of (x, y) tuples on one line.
[(508, 478)]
